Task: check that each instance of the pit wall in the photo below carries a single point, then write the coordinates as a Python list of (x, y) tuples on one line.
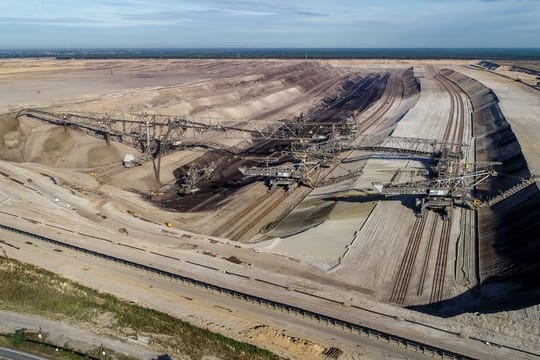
[(411, 85), (508, 232)]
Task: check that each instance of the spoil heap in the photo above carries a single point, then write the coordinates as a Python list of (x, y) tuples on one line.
[(28, 140)]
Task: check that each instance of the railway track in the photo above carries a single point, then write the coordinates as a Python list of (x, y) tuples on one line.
[(451, 113), (404, 272), (227, 228), (258, 216), (437, 288), (258, 210), (461, 109), (110, 172), (251, 216), (396, 92), (456, 118), (326, 320), (425, 265), (453, 133)]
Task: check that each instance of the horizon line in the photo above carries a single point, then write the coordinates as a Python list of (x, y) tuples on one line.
[(273, 48)]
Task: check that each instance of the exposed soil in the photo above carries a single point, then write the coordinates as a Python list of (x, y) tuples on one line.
[(28, 140), (350, 241), (508, 240), (509, 235), (356, 94)]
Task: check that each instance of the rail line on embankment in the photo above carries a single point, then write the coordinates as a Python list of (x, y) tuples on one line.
[(325, 319), (328, 320)]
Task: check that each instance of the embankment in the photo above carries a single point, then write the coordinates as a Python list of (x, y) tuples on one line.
[(508, 232)]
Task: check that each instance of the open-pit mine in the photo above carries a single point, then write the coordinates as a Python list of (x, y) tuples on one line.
[(320, 209)]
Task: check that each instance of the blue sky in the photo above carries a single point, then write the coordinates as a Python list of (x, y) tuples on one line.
[(269, 23)]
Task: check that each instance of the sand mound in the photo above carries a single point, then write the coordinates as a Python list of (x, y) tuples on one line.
[(296, 348), (28, 140)]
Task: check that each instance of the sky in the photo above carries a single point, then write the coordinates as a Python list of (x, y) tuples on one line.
[(268, 23)]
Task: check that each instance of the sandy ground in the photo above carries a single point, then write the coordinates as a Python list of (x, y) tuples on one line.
[(521, 106), (369, 239), (59, 333), (326, 243), (514, 70), (351, 250), (35, 83), (303, 339), (31, 141)]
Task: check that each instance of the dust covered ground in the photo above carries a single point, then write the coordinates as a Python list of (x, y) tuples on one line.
[(338, 241)]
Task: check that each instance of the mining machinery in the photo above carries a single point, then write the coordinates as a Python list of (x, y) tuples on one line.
[(447, 180), (442, 194), (151, 133), (409, 146), (311, 144), (154, 135), (446, 185), (288, 176), (311, 155), (187, 183)]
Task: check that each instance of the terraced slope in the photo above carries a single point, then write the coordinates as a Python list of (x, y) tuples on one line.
[(508, 232)]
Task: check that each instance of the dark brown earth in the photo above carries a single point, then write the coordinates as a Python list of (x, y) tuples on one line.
[(356, 94)]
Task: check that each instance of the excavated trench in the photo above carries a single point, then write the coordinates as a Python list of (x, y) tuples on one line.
[(509, 231), (357, 93), (314, 211)]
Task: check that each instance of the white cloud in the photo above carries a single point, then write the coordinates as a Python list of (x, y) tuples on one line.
[(387, 23)]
